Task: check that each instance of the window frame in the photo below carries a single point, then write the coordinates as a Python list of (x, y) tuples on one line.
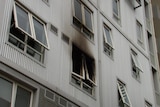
[(81, 71), (83, 82), (119, 84), (117, 16), (31, 23), (82, 24), (134, 56), (23, 36), (139, 31), (108, 48), (14, 89), (136, 67), (105, 27)]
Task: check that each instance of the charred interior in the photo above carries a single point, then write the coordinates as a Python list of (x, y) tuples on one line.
[(83, 73)]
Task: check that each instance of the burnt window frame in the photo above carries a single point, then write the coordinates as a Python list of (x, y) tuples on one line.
[(85, 78)]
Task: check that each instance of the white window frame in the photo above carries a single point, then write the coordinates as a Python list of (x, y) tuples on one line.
[(14, 92), (123, 93), (82, 76), (108, 47), (84, 71), (139, 33), (105, 36), (31, 16), (117, 16), (135, 61), (83, 22)]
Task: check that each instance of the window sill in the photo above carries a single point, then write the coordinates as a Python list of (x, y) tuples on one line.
[(77, 87)]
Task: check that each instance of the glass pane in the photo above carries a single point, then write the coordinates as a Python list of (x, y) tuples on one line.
[(22, 98), (107, 32), (88, 19), (40, 32), (5, 93), (23, 20), (115, 7), (78, 11), (139, 33)]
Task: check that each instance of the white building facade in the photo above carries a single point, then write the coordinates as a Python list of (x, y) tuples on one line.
[(78, 53)]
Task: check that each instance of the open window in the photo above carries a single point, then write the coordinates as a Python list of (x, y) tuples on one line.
[(136, 68), (137, 4), (83, 74), (108, 42), (83, 18), (28, 33), (124, 100)]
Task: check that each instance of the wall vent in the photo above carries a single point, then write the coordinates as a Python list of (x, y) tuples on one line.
[(53, 29), (62, 102), (50, 95), (65, 38)]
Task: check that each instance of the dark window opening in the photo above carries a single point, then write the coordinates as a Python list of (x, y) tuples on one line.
[(83, 73)]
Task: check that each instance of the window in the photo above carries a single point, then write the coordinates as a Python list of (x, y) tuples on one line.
[(28, 33), (151, 49), (138, 4), (108, 45), (14, 95), (82, 18), (139, 34), (123, 99), (147, 104), (83, 74), (147, 14), (116, 10), (155, 79), (135, 65)]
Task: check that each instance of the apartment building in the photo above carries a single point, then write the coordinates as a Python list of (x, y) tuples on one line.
[(78, 53)]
